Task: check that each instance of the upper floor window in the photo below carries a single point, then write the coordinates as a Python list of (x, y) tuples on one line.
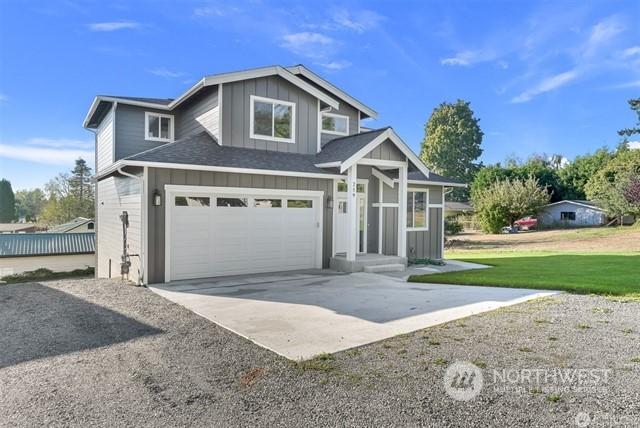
[(335, 124), (272, 120), (158, 127)]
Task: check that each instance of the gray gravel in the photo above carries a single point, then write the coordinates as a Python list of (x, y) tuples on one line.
[(87, 352)]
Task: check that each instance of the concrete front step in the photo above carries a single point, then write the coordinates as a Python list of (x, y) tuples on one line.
[(341, 264), (395, 267)]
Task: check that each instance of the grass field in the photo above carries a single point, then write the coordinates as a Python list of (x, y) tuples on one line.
[(602, 260), (615, 274)]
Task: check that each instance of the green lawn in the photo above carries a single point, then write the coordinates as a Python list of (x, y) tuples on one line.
[(609, 274)]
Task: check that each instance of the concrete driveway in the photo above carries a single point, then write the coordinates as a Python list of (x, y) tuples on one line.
[(300, 315)]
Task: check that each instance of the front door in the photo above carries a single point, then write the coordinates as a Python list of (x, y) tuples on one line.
[(342, 223)]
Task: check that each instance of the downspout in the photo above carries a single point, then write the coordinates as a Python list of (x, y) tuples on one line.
[(140, 256)]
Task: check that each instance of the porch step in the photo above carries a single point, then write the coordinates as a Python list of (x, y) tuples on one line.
[(395, 267)]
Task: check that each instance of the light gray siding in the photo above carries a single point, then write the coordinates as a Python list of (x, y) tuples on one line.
[(158, 177), (198, 114), (236, 107), (104, 142), (113, 196), (130, 131), (551, 216), (345, 110)]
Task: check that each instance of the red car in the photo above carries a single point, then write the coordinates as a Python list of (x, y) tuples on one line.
[(527, 223)]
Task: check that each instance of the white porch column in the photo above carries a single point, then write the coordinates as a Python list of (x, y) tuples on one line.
[(402, 211), (380, 213), (352, 209)]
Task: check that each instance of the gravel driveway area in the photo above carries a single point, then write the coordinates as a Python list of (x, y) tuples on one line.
[(99, 352)]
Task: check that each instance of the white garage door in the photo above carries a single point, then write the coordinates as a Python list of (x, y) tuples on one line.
[(222, 232)]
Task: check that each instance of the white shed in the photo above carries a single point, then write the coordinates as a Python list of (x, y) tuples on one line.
[(571, 214)]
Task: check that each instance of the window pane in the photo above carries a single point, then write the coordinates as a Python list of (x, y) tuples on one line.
[(263, 118), (420, 210), (299, 203), (192, 201), (342, 207), (342, 186), (410, 209), (154, 125), (282, 121), (231, 202), (334, 124), (267, 203), (164, 127), (360, 188)]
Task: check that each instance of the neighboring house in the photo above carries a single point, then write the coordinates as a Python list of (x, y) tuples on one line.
[(77, 225), (59, 252), (454, 209), (571, 214), (255, 171), (21, 228)]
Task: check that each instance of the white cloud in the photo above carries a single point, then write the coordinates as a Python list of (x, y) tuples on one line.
[(3, 98), (114, 26), (59, 143), (45, 155), (629, 52), (624, 85), (312, 45), (469, 57), (163, 72), (335, 65), (601, 34), (547, 85), (219, 11), (634, 145), (358, 21)]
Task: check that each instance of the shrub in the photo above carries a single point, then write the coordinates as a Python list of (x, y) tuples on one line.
[(43, 274), (452, 226)]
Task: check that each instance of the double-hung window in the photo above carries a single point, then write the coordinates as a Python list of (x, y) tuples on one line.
[(158, 127), (335, 124), (272, 120), (417, 211)]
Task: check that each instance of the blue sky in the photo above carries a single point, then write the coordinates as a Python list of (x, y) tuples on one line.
[(542, 76)]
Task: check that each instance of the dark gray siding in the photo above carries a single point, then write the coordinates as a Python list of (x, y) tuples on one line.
[(236, 114), (345, 110), (386, 151), (130, 131), (186, 114), (159, 177)]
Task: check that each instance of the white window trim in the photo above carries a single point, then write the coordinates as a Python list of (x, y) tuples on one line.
[(426, 210), (146, 127), (255, 136), (341, 116)]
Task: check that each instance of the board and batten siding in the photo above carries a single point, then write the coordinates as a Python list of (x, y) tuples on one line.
[(159, 177), (236, 113), (130, 132), (198, 114), (104, 142), (114, 195)]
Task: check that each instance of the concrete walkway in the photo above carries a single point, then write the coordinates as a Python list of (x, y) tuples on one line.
[(300, 315)]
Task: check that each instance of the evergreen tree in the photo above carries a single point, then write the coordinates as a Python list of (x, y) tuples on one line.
[(7, 202)]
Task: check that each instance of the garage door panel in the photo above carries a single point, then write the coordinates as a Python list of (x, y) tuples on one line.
[(215, 241)]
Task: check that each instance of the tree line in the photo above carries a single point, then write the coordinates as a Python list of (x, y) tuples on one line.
[(503, 192), (65, 197)]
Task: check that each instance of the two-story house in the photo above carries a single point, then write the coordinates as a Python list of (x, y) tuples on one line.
[(256, 171)]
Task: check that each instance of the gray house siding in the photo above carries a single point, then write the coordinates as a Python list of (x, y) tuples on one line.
[(386, 151), (114, 195), (130, 131), (345, 110), (200, 113), (158, 177), (236, 114)]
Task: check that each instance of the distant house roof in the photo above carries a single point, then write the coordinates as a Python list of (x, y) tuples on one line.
[(417, 176), (587, 204), (20, 227), (202, 149), (73, 224), (46, 244), (458, 206)]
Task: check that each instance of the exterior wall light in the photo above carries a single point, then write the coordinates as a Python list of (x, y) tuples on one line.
[(157, 198), (329, 202)]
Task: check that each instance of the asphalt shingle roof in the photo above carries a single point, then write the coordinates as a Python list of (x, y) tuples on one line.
[(343, 148), (46, 244), (202, 149), (161, 101), (437, 178)]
